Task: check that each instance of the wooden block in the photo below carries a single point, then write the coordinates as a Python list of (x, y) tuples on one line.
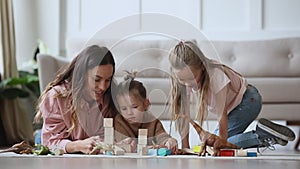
[(241, 153), (108, 131), (152, 152), (143, 132), (251, 154), (144, 151), (163, 152), (140, 149), (142, 140), (209, 150), (227, 152), (197, 149), (109, 139), (108, 153), (108, 122)]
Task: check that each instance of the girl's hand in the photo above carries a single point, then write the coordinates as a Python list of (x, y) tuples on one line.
[(216, 142), (128, 141), (172, 145)]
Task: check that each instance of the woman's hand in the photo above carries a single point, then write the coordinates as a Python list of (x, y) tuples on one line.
[(172, 145), (128, 141), (216, 142), (85, 146)]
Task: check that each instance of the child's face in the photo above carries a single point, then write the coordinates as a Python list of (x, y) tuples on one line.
[(132, 108), (189, 76)]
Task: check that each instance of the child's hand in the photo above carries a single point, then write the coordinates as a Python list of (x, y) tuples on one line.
[(128, 141), (172, 145), (216, 142)]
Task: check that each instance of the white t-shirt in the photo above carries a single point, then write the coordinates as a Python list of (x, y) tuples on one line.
[(235, 84)]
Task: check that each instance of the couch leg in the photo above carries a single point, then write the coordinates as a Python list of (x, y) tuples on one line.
[(295, 123)]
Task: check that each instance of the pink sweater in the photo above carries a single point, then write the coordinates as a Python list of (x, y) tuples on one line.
[(57, 119)]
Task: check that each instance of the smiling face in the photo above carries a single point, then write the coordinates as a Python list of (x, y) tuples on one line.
[(132, 108), (189, 76), (98, 81)]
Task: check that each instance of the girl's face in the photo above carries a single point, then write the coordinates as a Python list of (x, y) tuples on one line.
[(132, 108), (189, 76), (98, 81)]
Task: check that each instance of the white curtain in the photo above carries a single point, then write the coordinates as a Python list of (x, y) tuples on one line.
[(15, 120)]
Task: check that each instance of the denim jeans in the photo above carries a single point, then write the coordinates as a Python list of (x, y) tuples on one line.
[(241, 117)]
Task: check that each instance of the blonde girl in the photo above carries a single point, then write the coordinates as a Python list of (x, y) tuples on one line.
[(224, 92)]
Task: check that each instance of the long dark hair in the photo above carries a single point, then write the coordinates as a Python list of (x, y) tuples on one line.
[(74, 73)]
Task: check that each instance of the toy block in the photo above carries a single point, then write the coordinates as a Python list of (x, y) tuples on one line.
[(108, 131), (209, 150), (108, 153), (241, 153), (251, 154), (227, 152), (152, 152), (118, 150), (143, 132), (142, 149), (108, 122), (109, 139), (142, 140), (163, 152), (197, 149)]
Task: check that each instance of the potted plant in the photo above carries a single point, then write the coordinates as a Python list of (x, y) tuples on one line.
[(27, 83)]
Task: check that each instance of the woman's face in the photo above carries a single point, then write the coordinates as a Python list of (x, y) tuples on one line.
[(98, 81), (132, 108), (189, 76)]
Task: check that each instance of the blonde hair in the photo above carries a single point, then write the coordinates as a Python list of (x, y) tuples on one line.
[(188, 54)]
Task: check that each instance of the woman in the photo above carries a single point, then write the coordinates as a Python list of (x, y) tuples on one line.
[(74, 104)]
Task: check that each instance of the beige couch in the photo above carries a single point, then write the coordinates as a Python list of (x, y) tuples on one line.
[(273, 66)]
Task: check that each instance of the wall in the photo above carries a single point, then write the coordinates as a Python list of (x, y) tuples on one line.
[(36, 19), (225, 19), (54, 21)]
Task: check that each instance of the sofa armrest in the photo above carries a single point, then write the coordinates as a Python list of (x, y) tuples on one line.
[(48, 66)]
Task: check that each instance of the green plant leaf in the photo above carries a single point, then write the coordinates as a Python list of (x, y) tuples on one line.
[(12, 93)]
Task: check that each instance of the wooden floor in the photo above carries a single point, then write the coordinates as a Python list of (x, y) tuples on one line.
[(155, 163), (279, 160)]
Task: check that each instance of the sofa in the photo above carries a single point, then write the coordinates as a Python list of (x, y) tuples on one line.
[(272, 65)]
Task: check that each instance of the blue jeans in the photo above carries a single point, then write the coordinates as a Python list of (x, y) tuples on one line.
[(241, 117)]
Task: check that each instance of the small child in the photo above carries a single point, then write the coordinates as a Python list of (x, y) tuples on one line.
[(133, 104)]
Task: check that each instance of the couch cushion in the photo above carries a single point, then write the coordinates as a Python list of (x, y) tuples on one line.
[(263, 58), (151, 55), (278, 90)]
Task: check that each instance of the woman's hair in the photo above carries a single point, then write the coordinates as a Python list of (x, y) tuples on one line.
[(131, 86), (75, 74), (188, 54)]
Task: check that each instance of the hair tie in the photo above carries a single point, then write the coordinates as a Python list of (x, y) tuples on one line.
[(130, 75)]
